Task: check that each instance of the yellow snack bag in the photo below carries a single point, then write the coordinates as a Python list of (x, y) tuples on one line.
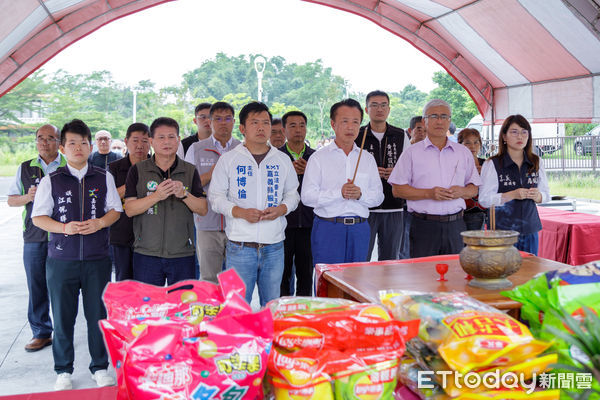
[(466, 333)]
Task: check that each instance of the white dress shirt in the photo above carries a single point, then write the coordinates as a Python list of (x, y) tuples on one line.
[(44, 202), (328, 169)]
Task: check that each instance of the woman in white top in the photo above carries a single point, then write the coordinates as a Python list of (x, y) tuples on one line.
[(514, 180)]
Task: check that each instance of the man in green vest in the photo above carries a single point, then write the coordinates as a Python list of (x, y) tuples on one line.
[(35, 246), (161, 195)]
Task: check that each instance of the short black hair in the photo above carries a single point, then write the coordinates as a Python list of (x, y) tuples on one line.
[(77, 127), (277, 121), (253, 108), (221, 105), (452, 128), (377, 93), (163, 121), (137, 127), (347, 103), (293, 114), (201, 107), (415, 120)]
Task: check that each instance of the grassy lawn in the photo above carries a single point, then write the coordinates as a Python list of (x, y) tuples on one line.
[(8, 170), (575, 185)]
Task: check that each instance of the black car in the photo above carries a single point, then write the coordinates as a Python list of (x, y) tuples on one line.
[(583, 144)]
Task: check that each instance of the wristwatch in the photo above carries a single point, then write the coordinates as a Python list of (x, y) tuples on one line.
[(185, 194)]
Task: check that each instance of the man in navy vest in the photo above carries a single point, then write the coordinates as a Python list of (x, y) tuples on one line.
[(76, 204), (35, 246)]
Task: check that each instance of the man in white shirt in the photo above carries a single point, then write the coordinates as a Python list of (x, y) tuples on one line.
[(340, 231), (255, 186), (76, 204), (211, 240)]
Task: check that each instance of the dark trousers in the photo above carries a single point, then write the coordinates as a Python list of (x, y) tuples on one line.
[(405, 247), (123, 260), (432, 238), (335, 243), (65, 280), (389, 229), (474, 220), (157, 270), (297, 250), (38, 311)]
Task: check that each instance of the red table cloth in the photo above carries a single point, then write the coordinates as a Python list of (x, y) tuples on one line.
[(569, 237)]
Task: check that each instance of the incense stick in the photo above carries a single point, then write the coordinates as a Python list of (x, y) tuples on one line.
[(493, 217), (362, 145)]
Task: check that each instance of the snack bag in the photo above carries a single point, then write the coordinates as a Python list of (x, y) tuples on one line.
[(535, 294), (467, 334), (228, 359), (333, 324), (193, 300)]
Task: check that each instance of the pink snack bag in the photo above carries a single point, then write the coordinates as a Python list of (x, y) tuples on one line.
[(191, 299), (226, 359)]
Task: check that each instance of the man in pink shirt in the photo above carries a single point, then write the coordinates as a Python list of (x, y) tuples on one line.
[(435, 175)]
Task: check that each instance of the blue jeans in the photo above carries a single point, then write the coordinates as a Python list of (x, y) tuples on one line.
[(155, 270), (38, 312), (262, 266), (529, 243)]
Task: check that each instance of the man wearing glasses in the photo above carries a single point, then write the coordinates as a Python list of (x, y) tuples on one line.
[(211, 240), (103, 156), (35, 247), (202, 122), (435, 176), (386, 143)]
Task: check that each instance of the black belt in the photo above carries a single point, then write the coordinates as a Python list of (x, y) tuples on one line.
[(345, 220), (439, 218), (254, 245)]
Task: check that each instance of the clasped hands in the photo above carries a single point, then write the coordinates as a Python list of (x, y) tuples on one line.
[(86, 227), (170, 187), (350, 191), (451, 193), (254, 215)]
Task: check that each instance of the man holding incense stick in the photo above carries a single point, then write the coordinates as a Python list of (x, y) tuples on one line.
[(341, 182), (435, 175)]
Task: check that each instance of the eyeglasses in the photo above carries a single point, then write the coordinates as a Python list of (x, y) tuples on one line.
[(44, 140), (222, 119), (202, 117), (443, 117), (378, 105), (103, 139), (517, 133)]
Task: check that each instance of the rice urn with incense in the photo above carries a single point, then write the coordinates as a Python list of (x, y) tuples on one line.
[(489, 256)]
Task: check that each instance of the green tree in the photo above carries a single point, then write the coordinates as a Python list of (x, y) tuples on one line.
[(463, 107), (26, 96)]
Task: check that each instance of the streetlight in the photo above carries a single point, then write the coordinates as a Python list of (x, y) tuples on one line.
[(134, 105), (259, 65)]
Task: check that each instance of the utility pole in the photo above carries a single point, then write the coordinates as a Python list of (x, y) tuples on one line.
[(134, 105)]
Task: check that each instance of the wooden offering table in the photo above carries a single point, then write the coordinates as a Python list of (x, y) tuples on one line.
[(363, 281)]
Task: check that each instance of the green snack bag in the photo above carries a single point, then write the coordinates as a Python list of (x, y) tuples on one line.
[(376, 383), (534, 297)]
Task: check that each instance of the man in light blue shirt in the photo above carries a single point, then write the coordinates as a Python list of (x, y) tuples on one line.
[(35, 247)]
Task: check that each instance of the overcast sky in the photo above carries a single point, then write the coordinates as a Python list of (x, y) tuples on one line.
[(165, 41)]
